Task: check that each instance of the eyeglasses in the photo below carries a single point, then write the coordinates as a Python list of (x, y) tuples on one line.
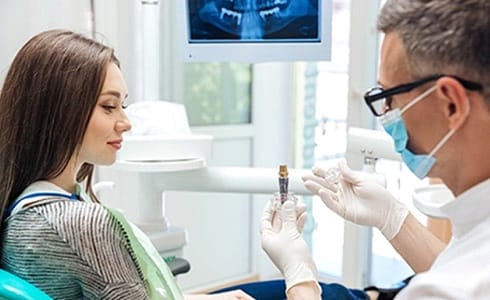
[(379, 100)]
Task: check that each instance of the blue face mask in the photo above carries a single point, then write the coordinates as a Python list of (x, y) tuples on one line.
[(392, 121)]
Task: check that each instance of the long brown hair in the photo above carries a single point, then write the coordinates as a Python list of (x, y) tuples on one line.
[(46, 102)]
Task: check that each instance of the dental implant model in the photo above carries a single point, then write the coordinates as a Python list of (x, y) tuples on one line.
[(283, 182)]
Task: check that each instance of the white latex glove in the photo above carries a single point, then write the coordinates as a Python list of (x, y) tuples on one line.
[(300, 209), (360, 198), (284, 245)]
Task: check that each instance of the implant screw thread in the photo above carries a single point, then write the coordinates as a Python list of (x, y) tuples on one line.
[(283, 182)]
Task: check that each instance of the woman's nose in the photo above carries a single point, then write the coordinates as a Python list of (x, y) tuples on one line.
[(123, 124)]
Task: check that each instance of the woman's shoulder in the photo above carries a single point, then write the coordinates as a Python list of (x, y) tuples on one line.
[(59, 209), (65, 218), (68, 224), (70, 237)]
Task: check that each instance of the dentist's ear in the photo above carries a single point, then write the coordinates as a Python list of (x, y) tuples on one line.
[(457, 101)]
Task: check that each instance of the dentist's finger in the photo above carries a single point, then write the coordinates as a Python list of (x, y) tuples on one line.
[(288, 216), (301, 221), (313, 186), (267, 216), (321, 181), (331, 200)]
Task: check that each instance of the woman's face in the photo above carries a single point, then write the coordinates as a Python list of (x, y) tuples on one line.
[(108, 122)]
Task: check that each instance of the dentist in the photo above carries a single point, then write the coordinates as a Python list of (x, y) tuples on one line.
[(433, 99)]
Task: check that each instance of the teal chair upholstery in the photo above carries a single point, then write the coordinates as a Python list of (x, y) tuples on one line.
[(16, 288), (13, 287)]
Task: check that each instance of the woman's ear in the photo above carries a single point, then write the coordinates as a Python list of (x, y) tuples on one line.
[(455, 100)]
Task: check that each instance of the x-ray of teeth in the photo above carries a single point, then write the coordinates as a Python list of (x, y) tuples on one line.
[(250, 20)]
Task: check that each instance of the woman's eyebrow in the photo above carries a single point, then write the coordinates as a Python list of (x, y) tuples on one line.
[(113, 93)]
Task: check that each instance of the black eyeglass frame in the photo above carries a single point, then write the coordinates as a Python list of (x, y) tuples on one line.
[(369, 97)]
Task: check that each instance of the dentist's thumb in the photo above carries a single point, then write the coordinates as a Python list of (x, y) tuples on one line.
[(288, 216)]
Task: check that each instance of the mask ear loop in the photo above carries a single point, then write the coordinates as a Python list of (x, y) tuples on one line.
[(450, 133), (443, 141), (417, 99)]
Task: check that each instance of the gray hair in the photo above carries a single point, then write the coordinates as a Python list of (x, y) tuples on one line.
[(443, 36)]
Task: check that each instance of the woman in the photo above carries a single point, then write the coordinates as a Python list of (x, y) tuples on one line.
[(61, 113)]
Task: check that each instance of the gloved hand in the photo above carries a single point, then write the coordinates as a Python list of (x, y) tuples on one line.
[(282, 242), (360, 198), (300, 209)]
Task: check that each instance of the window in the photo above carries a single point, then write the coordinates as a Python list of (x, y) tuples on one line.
[(331, 139), (385, 267), (218, 93)]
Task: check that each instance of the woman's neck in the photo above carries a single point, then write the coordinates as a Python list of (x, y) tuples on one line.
[(67, 186), (67, 179)]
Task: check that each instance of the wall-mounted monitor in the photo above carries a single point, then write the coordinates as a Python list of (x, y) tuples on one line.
[(254, 30)]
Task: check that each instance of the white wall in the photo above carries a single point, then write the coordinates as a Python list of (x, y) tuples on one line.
[(21, 19), (362, 75)]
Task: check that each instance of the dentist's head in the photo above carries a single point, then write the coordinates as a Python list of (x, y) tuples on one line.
[(433, 96)]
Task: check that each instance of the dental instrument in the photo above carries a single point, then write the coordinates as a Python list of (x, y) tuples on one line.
[(283, 182)]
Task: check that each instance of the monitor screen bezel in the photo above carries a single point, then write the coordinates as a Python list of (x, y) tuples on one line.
[(254, 51)]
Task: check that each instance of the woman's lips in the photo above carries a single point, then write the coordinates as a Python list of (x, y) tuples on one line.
[(116, 144)]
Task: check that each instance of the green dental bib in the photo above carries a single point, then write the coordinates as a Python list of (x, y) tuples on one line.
[(159, 280)]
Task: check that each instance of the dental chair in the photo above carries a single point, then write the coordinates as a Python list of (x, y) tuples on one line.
[(16, 288), (177, 265)]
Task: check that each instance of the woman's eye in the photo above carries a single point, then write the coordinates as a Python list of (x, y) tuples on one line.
[(108, 108)]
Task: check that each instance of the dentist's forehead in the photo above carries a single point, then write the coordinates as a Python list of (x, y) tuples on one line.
[(393, 67)]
